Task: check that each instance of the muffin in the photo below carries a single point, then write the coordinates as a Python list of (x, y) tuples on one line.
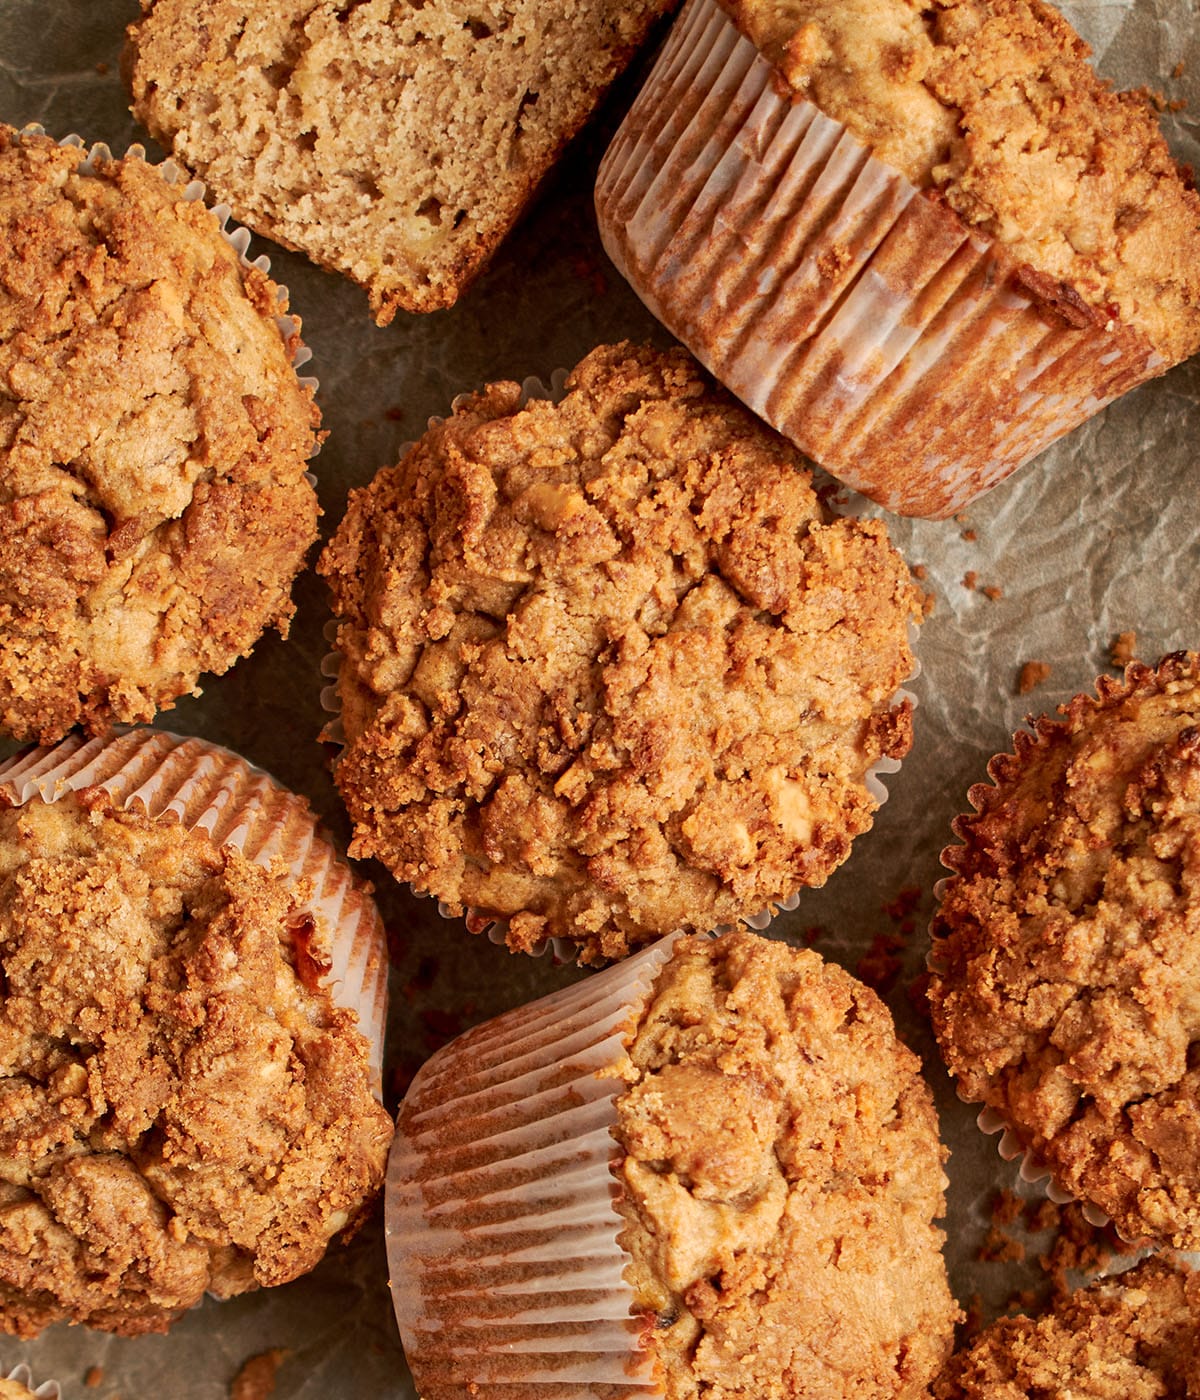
[(190, 1103), (154, 506), (923, 242), (395, 143), (1129, 1337), (1066, 967), (608, 666), (778, 1172)]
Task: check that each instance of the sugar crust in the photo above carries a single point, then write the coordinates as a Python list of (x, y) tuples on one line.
[(993, 105), (153, 438), (1066, 990), (1132, 1336), (781, 1173), (180, 1112), (609, 668)]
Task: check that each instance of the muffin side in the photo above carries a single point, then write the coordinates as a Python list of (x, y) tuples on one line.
[(394, 143), (1066, 983), (186, 1108), (993, 104), (154, 507), (781, 1173), (608, 666)]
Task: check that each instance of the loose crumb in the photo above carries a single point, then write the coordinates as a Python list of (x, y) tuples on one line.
[(970, 536), (256, 1379), (970, 579), (1032, 674), (1122, 649), (93, 1377), (1178, 70), (993, 592), (919, 572)]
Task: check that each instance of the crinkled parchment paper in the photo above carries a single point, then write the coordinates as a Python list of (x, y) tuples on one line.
[(1099, 536)]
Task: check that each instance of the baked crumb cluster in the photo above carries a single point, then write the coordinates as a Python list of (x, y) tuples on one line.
[(1066, 991), (153, 438), (993, 104), (609, 668), (1129, 1337), (180, 1112), (781, 1173), (393, 141)]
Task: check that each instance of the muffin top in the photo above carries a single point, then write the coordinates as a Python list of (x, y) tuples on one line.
[(608, 666), (184, 1108), (153, 434), (781, 1174), (993, 104), (1129, 1337), (1066, 984)]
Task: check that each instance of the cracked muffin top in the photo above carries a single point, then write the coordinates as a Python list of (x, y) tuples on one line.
[(183, 1109), (153, 438), (608, 666), (780, 1179), (993, 104), (1129, 1337), (1066, 984)]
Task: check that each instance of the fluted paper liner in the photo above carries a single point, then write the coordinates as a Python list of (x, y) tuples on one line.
[(506, 1273), (204, 786), (855, 313), (48, 1390)]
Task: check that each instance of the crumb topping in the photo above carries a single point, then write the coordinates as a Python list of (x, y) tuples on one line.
[(781, 1176), (609, 669), (1128, 1337), (178, 1112), (993, 104), (153, 440), (1066, 992)]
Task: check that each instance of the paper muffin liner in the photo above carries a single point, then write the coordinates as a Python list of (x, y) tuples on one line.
[(48, 1390), (496, 927), (194, 191), (502, 1235), (855, 313), (206, 787)]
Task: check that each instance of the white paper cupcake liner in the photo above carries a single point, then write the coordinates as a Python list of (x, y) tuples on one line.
[(506, 1272), (48, 1390), (855, 313), (204, 786), (238, 238)]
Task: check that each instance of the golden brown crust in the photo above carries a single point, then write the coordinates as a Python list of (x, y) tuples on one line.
[(153, 438), (1133, 1336), (781, 1176), (993, 104), (1067, 985), (393, 142), (608, 668), (178, 1112)]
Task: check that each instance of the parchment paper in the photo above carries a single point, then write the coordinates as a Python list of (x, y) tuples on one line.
[(1098, 536)]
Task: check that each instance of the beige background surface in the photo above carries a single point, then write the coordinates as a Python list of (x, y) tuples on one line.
[(1100, 535)]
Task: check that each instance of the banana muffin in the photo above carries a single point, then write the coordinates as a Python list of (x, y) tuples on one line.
[(779, 1174), (154, 506), (394, 142), (1134, 1336), (608, 666), (187, 1104), (922, 241), (1066, 965)]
